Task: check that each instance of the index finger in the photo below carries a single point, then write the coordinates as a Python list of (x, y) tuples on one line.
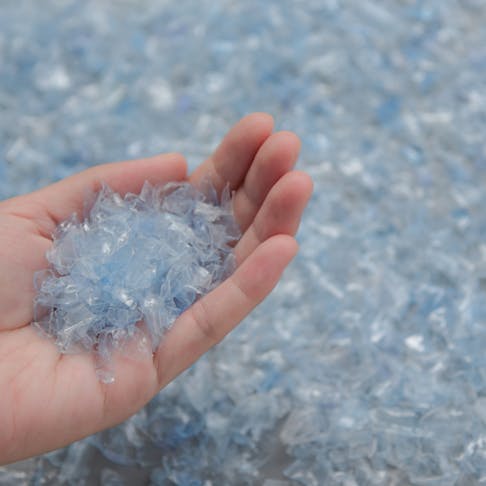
[(232, 159)]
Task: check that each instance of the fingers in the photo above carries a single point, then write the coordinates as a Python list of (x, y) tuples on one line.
[(232, 159), (216, 314), (280, 213), (67, 196), (276, 157)]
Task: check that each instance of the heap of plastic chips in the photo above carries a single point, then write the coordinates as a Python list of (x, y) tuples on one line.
[(366, 365), (136, 258)]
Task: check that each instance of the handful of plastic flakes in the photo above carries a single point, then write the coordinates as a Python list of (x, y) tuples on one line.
[(135, 259)]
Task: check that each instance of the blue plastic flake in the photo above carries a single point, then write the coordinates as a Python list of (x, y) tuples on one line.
[(138, 258)]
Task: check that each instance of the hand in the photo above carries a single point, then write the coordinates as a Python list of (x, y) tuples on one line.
[(48, 399)]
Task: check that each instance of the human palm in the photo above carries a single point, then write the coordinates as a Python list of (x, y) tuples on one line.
[(48, 399)]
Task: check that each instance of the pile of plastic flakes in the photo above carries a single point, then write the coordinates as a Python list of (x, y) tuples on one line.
[(140, 258), (366, 366)]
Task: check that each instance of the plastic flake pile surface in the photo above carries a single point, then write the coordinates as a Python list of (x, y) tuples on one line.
[(367, 365), (144, 257)]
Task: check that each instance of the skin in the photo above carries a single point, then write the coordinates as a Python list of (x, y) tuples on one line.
[(48, 400)]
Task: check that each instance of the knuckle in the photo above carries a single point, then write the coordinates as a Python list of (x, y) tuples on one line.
[(205, 324)]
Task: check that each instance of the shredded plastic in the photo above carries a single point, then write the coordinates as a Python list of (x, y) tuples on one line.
[(134, 259), (367, 365)]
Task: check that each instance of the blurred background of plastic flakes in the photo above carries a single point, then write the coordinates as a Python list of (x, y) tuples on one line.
[(367, 366)]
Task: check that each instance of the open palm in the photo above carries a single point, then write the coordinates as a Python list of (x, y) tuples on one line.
[(47, 399)]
